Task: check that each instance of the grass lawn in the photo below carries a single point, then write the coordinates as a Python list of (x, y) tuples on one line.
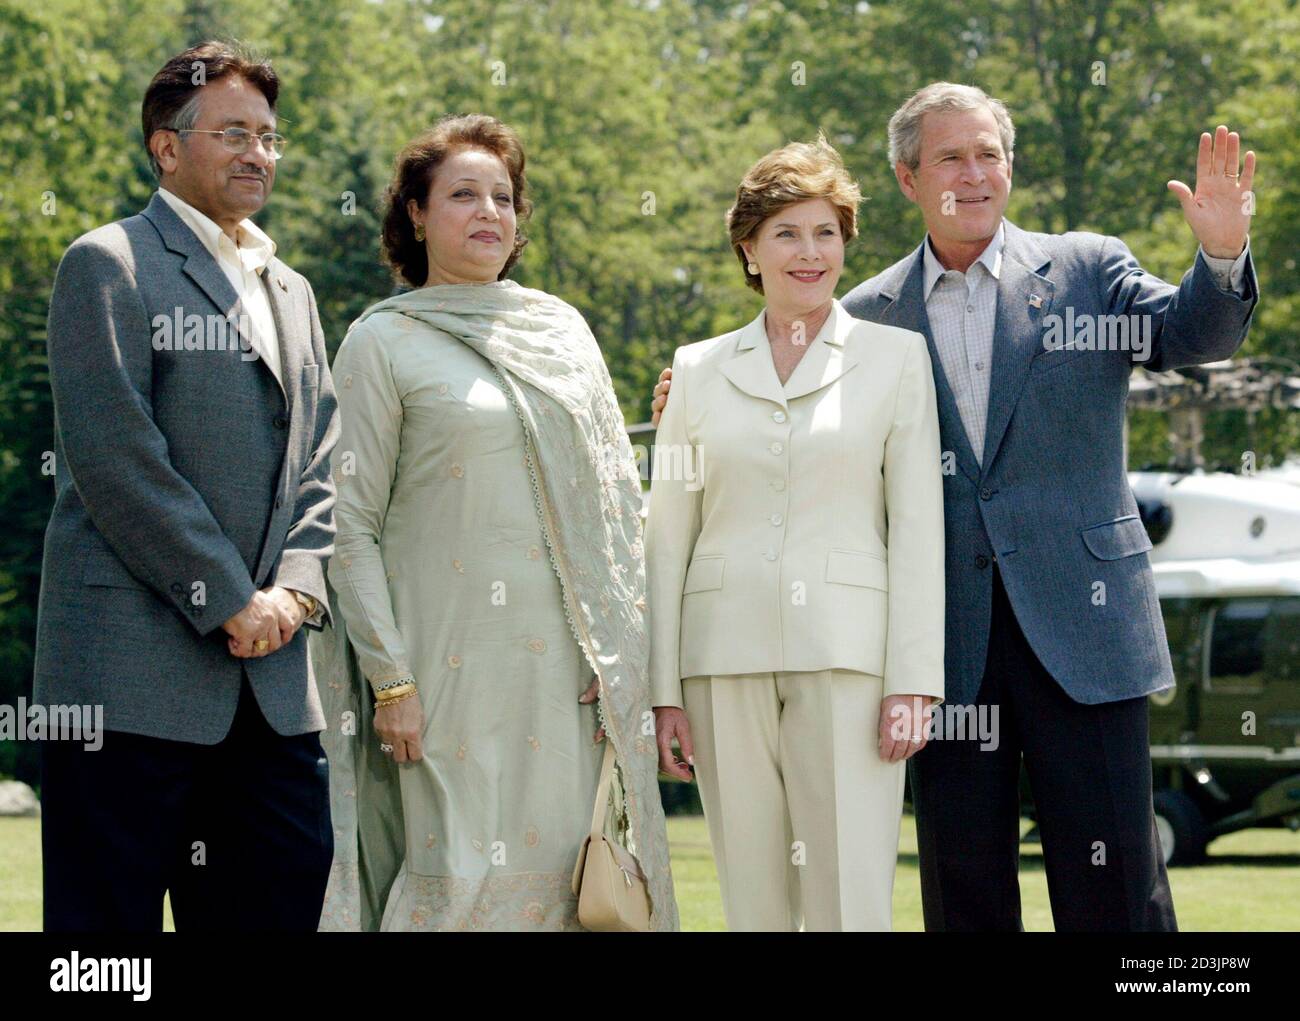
[(1250, 883)]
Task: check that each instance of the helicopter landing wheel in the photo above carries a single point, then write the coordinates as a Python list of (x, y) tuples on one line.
[(1181, 827)]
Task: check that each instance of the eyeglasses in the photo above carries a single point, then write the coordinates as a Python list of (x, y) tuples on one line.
[(239, 140)]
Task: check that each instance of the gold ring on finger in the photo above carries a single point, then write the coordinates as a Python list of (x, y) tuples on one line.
[(261, 645)]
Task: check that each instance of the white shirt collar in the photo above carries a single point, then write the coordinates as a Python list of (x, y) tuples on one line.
[(254, 250), (991, 258)]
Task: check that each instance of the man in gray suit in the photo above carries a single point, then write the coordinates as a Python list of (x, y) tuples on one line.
[(193, 516), (1054, 634)]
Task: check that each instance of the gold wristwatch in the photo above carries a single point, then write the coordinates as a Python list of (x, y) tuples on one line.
[(309, 604)]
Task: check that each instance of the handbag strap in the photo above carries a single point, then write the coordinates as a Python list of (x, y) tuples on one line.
[(602, 791)]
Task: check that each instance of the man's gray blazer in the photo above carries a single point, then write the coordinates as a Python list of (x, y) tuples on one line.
[(1051, 498), (185, 480)]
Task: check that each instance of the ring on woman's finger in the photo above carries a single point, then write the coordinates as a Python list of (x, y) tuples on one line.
[(387, 749), (261, 644)]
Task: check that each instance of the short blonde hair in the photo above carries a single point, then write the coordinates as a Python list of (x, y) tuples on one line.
[(784, 177)]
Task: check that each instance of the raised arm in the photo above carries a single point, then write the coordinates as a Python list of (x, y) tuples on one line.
[(1207, 316)]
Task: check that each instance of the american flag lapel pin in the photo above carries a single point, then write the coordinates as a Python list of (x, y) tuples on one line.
[(1035, 301)]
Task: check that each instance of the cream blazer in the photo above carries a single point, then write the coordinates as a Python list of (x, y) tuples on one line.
[(798, 527)]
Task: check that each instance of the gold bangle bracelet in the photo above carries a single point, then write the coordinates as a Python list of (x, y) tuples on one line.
[(391, 701)]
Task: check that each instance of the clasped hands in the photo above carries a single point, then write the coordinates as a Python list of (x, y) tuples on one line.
[(272, 615)]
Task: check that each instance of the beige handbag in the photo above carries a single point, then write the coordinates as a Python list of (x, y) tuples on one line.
[(608, 881)]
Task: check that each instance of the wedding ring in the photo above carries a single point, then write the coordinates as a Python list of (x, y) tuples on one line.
[(261, 645), (387, 749)]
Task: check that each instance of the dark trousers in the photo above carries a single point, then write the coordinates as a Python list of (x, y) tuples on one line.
[(1089, 768), (238, 832)]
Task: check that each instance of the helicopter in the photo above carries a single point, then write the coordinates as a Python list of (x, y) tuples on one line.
[(1225, 741)]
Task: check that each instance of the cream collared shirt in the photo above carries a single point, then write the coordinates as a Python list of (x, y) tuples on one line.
[(243, 262)]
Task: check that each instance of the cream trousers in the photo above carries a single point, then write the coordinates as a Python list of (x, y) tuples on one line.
[(802, 813)]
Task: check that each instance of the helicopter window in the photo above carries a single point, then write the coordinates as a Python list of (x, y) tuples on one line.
[(1282, 650), (1252, 640)]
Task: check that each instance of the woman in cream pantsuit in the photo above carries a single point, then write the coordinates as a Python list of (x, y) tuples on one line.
[(796, 568)]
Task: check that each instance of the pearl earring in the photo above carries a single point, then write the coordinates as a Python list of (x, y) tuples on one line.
[(753, 269)]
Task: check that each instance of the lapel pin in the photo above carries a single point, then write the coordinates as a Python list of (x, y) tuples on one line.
[(283, 286), (1035, 301)]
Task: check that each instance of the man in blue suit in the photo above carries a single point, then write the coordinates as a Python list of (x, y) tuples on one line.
[(1054, 631)]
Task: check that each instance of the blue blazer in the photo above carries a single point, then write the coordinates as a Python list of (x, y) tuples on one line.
[(1050, 499)]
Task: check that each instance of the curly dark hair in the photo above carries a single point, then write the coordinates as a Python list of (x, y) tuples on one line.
[(413, 175)]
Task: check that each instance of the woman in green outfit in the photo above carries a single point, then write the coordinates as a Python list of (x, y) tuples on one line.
[(488, 573)]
